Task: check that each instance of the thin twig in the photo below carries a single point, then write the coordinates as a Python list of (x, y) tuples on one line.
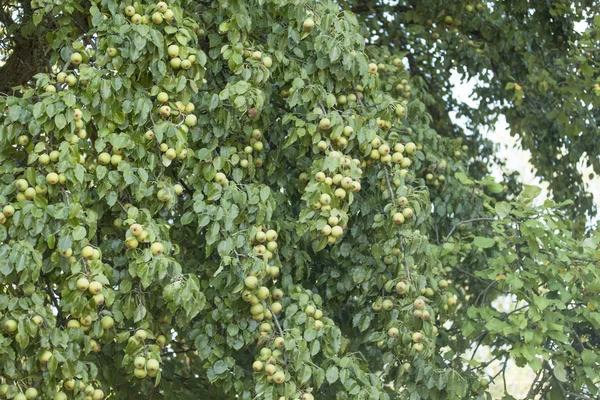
[(462, 223), (504, 374), (533, 384), (278, 328), (406, 266)]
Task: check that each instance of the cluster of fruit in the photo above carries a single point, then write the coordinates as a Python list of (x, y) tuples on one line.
[(70, 385), (90, 392), (105, 158), (136, 235), (270, 238), (258, 56), (145, 367), (316, 314), (165, 110), (341, 141), (93, 288), (334, 195), (25, 192), (181, 57), (420, 311), (416, 338), (170, 152), (64, 77), (402, 212), (163, 13), (254, 145), (258, 298), (436, 181), (7, 211), (404, 89), (270, 362), (383, 152), (144, 364), (31, 393)]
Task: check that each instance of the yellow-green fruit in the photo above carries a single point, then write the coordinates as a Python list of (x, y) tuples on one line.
[(157, 248), (152, 365), (107, 322), (85, 322), (251, 282), (271, 235), (324, 124), (87, 252), (276, 307), (175, 62), (69, 384), (82, 284), (157, 18), (139, 362), (95, 287), (279, 377), (31, 393), (336, 231), (191, 120), (308, 24), (262, 293), (161, 341), (45, 357), (10, 326), (173, 51), (140, 335), (162, 97), (140, 373), (257, 366), (76, 58)]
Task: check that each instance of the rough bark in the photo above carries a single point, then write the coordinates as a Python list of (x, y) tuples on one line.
[(29, 57), (30, 53)]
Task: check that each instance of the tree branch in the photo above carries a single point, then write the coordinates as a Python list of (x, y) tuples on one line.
[(462, 223)]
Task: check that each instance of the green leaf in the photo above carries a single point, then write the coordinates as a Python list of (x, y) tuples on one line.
[(463, 178), (265, 192), (559, 371), (332, 374), (483, 242), (530, 192), (79, 233), (541, 302), (140, 313), (588, 357), (503, 209), (494, 325)]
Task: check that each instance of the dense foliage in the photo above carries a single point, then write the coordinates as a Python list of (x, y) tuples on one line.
[(243, 200), (533, 62)]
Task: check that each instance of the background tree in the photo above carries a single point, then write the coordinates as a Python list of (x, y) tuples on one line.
[(535, 63), (242, 200)]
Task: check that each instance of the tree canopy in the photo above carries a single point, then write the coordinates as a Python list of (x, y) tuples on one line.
[(269, 199), (535, 63)]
